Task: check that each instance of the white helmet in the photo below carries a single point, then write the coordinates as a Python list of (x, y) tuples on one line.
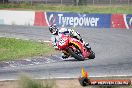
[(53, 29)]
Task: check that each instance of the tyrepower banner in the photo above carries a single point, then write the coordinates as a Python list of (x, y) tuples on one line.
[(79, 20), (67, 19)]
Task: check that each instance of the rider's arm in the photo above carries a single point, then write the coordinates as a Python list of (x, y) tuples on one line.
[(54, 41), (74, 34)]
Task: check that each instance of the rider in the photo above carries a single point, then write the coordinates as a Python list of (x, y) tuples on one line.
[(56, 34)]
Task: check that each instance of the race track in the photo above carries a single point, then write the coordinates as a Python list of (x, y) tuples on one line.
[(113, 49)]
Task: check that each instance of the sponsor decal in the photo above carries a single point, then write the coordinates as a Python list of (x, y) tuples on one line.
[(130, 22), (52, 19), (81, 20)]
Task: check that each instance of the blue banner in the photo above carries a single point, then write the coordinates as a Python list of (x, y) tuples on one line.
[(79, 20), (129, 21)]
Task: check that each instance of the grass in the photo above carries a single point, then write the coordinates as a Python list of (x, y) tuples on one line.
[(28, 82), (11, 48), (127, 9)]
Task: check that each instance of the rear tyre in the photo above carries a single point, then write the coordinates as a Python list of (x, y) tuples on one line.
[(73, 54), (92, 55)]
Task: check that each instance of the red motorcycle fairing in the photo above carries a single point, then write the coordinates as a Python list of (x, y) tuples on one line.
[(63, 43), (81, 46), (69, 42)]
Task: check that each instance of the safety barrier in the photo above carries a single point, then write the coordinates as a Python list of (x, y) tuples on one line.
[(66, 19), (16, 17)]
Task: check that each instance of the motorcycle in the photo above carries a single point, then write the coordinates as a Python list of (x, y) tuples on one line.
[(74, 48)]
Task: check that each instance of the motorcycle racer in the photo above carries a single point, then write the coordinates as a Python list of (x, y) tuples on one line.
[(56, 35)]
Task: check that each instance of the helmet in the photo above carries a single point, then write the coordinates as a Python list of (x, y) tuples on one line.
[(53, 29)]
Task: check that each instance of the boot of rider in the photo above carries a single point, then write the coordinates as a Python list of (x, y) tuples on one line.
[(82, 40), (88, 46)]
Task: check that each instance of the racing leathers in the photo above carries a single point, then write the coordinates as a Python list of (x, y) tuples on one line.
[(71, 33)]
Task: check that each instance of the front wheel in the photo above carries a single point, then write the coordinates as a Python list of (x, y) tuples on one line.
[(76, 56)]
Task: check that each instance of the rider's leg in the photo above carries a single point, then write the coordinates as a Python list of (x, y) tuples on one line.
[(78, 36), (88, 46)]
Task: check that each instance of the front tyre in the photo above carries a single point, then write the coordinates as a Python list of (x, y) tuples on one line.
[(76, 56)]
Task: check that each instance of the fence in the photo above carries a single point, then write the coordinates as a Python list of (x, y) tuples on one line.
[(73, 2)]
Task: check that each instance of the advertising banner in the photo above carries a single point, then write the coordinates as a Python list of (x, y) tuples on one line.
[(79, 20), (65, 19), (129, 21), (121, 21)]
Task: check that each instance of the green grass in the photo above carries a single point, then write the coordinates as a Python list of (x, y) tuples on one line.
[(127, 9), (15, 48)]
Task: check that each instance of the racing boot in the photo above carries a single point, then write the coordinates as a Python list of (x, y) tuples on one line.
[(88, 46)]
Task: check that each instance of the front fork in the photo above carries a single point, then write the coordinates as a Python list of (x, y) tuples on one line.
[(66, 52)]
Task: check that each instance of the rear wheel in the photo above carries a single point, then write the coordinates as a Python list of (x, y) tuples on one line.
[(92, 55), (76, 55)]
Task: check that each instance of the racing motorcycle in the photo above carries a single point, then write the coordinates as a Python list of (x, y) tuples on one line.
[(74, 48)]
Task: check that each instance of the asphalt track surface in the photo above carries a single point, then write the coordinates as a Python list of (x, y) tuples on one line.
[(113, 49)]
